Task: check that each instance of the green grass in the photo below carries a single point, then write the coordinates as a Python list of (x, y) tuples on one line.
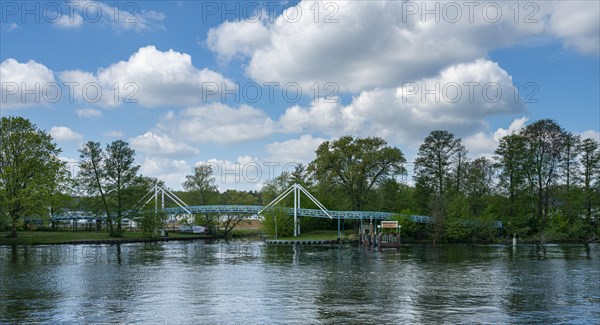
[(52, 237), (321, 235)]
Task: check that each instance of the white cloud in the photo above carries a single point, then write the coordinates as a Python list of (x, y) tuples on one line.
[(88, 112), (577, 23), (150, 77), (590, 134), (245, 173), (26, 84), (113, 134), (72, 164), (120, 16), (232, 38), (152, 144), (69, 21), (484, 144), (467, 94), (63, 133), (396, 46), (301, 150), (382, 52), (217, 123), (171, 171)]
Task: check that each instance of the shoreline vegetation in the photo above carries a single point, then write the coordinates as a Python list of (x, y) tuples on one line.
[(542, 183), (33, 237)]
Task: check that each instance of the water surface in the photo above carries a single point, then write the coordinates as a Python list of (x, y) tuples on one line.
[(250, 282)]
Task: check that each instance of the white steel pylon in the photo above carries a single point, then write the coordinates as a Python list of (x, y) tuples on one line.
[(297, 189), (157, 190)]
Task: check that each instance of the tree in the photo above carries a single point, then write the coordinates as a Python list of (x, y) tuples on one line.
[(29, 166), (112, 171), (437, 156), (91, 176), (590, 161), (121, 172), (356, 165), (460, 162), (511, 160), (61, 191), (234, 197), (202, 185), (545, 140), (478, 183)]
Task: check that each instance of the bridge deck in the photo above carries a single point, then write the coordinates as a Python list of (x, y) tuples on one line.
[(254, 209), (315, 213)]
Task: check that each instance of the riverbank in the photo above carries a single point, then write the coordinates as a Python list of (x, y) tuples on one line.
[(88, 237)]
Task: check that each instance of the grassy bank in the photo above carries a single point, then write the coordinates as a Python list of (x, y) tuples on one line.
[(54, 237)]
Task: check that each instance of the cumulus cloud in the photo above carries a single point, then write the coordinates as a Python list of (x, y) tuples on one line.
[(26, 84), (88, 112), (244, 173), (217, 122), (149, 77), (401, 44), (232, 38), (301, 150), (63, 133), (171, 171), (576, 22), (459, 99), (484, 144), (152, 144)]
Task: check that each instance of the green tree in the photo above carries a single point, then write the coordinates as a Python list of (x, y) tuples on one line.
[(121, 173), (478, 183), (356, 166), (29, 169), (511, 159), (440, 162), (151, 223), (234, 197), (545, 142), (202, 185), (111, 175), (590, 161), (91, 177), (439, 154)]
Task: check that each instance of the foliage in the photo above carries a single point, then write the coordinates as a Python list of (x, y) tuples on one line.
[(357, 165), (152, 223), (111, 176), (201, 184), (439, 154), (30, 170), (276, 223)]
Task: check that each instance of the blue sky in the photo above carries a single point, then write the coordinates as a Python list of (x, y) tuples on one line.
[(218, 82)]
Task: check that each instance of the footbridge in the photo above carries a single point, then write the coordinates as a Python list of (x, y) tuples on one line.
[(300, 212), (158, 194)]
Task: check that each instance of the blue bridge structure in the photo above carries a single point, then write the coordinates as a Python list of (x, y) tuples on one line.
[(182, 208)]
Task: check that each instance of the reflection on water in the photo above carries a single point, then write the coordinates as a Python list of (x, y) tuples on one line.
[(250, 282)]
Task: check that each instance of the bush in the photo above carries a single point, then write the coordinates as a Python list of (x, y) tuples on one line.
[(277, 222), (152, 223)]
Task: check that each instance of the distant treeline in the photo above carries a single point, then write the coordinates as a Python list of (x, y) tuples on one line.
[(543, 183)]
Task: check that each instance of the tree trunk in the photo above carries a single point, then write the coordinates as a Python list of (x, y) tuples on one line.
[(13, 230)]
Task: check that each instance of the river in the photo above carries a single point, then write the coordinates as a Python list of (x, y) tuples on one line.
[(244, 282)]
